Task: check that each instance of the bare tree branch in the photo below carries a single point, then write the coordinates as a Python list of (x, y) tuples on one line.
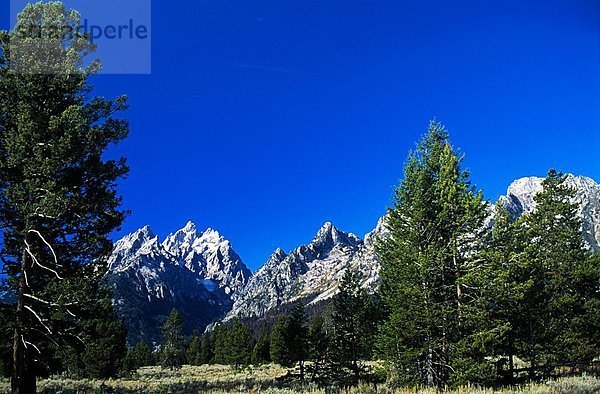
[(39, 318), (35, 347), (35, 260), (47, 244)]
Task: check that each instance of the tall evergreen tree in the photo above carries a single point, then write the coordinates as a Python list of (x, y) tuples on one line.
[(207, 350), (319, 342), (561, 283), (233, 344), (352, 325), (58, 202), (194, 350), (172, 352), (138, 356), (105, 338), (261, 351), (279, 345), (434, 227), (297, 337), (239, 344), (221, 346), (496, 304)]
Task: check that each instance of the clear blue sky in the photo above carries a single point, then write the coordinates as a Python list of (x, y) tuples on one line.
[(264, 119)]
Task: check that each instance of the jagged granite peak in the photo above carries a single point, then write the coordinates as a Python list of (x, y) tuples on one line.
[(310, 272), (181, 240), (276, 257), (519, 199), (209, 255), (140, 242), (329, 236), (198, 273)]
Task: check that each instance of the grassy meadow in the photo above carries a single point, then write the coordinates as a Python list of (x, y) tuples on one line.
[(266, 379)]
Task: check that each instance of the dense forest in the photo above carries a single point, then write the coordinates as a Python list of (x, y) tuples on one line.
[(462, 299)]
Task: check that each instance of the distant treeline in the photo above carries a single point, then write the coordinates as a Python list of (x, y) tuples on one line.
[(336, 342)]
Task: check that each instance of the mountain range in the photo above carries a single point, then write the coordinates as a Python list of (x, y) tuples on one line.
[(200, 274)]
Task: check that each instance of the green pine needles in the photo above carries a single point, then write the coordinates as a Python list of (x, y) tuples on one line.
[(465, 299), (58, 199), (434, 234)]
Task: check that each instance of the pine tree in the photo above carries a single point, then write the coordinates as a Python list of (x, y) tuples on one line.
[(297, 337), (172, 353), (239, 344), (261, 350), (194, 350), (496, 305), (221, 339), (233, 344), (105, 347), (353, 326), (434, 227), (58, 202), (138, 356), (561, 282), (207, 351), (279, 345), (319, 342)]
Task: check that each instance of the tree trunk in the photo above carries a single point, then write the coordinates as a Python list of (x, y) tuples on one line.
[(511, 362), (457, 279), (429, 368), (23, 377), (532, 352)]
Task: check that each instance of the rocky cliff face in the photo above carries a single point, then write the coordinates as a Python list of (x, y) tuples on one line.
[(519, 199), (198, 273), (310, 273)]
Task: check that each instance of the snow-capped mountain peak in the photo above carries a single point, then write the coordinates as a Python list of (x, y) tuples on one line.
[(519, 199), (141, 242), (279, 254), (181, 241), (190, 270)]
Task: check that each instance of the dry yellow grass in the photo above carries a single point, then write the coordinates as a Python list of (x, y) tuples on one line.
[(264, 379)]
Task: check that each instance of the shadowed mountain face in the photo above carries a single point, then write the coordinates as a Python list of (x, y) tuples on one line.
[(200, 274)]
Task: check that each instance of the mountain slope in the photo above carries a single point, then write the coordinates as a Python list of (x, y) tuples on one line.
[(310, 273), (519, 199), (196, 273)]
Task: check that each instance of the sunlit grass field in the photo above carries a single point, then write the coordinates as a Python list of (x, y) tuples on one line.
[(264, 379)]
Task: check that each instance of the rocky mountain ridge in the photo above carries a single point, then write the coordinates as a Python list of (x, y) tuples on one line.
[(200, 274), (316, 276)]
